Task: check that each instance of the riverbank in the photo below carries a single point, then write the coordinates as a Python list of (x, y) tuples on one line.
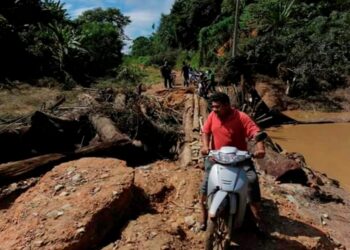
[(324, 146), (274, 93)]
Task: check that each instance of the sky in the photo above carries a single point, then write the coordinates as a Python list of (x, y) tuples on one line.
[(143, 13)]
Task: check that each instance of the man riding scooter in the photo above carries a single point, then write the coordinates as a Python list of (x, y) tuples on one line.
[(231, 127)]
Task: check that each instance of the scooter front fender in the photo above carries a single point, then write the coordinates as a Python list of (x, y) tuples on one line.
[(218, 198)]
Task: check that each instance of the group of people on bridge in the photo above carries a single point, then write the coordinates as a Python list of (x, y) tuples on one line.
[(204, 81)]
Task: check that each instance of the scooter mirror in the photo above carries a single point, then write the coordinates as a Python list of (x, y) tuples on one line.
[(261, 136)]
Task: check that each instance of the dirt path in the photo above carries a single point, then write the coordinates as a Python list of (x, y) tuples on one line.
[(173, 222), (159, 88), (164, 211)]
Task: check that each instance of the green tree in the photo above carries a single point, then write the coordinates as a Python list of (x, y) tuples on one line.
[(16, 17), (211, 38), (267, 15), (166, 36), (181, 27), (141, 46), (66, 44), (108, 16), (54, 11), (103, 36)]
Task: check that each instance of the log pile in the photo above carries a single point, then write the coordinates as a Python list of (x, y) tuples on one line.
[(121, 124), (127, 125), (195, 113), (186, 155)]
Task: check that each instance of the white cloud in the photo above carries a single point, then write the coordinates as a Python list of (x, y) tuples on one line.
[(141, 16), (160, 5), (68, 6), (79, 11), (143, 13), (140, 21)]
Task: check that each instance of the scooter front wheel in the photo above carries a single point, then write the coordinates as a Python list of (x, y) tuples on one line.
[(217, 236)]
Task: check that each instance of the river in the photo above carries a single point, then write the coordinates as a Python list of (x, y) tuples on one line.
[(326, 147)]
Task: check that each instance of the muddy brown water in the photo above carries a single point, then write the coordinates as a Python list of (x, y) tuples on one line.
[(326, 147)]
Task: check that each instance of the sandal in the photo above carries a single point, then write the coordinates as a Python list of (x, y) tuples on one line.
[(203, 226)]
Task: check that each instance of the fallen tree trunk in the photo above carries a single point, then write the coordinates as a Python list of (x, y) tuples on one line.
[(160, 140), (196, 113), (88, 100), (105, 128), (52, 134), (51, 139), (273, 118), (14, 144), (17, 168), (54, 104), (120, 101), (123, 149), (47, 134), (203, 106), (186, 154)]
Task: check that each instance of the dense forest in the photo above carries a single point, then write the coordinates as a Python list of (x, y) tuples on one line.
[(37, 39), (303, 42)]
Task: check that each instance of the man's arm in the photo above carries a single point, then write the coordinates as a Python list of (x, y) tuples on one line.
[(205, 144), (206, 133), (259, 150), (251, 130)]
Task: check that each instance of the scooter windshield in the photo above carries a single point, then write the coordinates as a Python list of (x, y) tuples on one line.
[(224, 158)]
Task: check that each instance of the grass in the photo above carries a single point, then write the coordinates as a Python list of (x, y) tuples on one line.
[(109, 83), (152, 76), (25, 99)]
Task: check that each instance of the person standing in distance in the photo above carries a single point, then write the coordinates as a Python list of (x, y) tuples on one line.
[(165, 71), (185, 73)]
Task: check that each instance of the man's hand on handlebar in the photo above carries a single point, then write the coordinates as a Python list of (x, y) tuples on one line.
[(205, 150), (259, 153), (259, 150)]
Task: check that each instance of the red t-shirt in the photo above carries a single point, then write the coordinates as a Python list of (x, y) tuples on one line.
[(233, 131)]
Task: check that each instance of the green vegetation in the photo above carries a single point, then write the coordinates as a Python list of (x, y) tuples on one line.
[(303, 42), (38, 40), (213, 37), (152, 76)]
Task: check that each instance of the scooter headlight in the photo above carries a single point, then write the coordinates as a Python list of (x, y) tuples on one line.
[(224, 158)]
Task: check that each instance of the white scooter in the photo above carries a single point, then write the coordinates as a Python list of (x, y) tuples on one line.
[(227, 195)]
